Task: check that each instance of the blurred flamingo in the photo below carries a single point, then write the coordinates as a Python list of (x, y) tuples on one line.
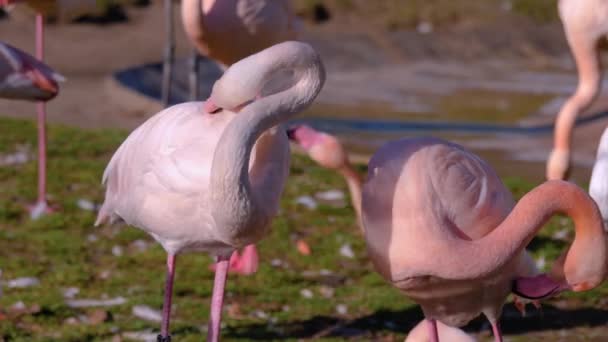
[(23, 77), (585, 22), (200, 176), (441, 227), (227, 31), (41, 206)]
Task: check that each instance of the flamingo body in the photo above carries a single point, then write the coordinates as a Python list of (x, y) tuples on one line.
[(159, 179), (598, 185), (441, 227)]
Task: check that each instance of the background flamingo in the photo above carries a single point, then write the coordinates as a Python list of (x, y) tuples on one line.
[(585, 22), (22, 77), (441, 227), (41, 205), (227, 31), (194, 191), (327, 151)]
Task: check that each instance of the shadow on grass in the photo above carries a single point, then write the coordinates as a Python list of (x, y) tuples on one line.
[(402, 321)]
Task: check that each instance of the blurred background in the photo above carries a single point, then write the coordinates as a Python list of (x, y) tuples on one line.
[(466, 70)]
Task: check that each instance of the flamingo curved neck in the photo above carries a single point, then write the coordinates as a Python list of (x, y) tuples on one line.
[(496, 249), (235, 204)]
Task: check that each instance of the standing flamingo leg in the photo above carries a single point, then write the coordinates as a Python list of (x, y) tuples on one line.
[(585, 52), (194, 75), (433, 333), (217, 299), (40, 207), (169, 54), (164, 329), (496, 331)]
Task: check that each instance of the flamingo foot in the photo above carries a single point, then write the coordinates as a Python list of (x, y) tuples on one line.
[(247, 263), (520, 305), (38, 209)]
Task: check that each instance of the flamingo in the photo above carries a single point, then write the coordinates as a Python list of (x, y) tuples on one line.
[(22, 77), (40, 207), (328, 152), (585, 22), (227, 31), (200, 176), (441, 227)]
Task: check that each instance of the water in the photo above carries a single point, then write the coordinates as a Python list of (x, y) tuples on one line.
[(507, 117)]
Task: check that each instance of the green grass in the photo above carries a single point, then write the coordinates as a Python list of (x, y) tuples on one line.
[(60, 252)]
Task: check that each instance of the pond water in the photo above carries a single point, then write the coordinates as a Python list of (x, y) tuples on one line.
[(505, 117)]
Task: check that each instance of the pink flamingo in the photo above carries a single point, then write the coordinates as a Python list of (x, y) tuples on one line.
[(251, 25), (585, 22), (41, 206), (327, 151), (22, 77), (441, 227), (200, 176)]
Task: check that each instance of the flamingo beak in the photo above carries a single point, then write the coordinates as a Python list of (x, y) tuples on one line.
[(538, 287), (44, 83), (210, 107), (291, 133)]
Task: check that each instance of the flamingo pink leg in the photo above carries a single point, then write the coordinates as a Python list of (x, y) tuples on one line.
[(496, 331), (41, 206), (433, 333), (164, 329), (217, 299)]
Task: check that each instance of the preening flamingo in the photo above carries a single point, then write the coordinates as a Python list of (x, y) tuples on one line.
[(327, 151), (585, 22), (200, 176), (23, 77), (227, 31), (441, 227)]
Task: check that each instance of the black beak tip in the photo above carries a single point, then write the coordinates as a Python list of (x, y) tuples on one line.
[(291, 133)]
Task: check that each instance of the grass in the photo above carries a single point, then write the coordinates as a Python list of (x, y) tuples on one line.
[(64, 250)]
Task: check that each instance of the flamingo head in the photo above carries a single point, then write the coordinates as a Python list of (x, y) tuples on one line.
[(24, 77), (325, 149), (239, 86)]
